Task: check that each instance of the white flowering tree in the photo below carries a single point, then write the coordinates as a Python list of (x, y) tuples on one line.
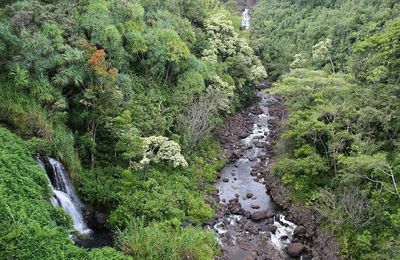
[(322, 52), (227, 50), (160, 149), (299, 61)]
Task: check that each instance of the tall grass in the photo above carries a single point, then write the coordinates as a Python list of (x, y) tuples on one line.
[(163, 241)]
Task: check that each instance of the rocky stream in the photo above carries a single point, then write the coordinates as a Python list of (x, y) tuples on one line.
[(256, 219), (251, 225)]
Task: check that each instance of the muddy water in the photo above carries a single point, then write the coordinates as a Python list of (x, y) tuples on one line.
[(240, 233)]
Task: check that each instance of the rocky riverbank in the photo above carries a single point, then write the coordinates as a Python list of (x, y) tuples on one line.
[(250, 226), (319, 243)]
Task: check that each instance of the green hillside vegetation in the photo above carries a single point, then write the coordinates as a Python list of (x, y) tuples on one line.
[(29, 226), (125, 94), (339, 150)]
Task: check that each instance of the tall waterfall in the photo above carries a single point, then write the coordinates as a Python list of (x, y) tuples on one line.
[(64, 195), (246, 19)]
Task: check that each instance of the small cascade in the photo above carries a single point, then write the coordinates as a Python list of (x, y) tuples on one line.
[(246, 19), (284, 232), (64, 195)]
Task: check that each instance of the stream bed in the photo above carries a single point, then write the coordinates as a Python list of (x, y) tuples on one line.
[(251, 225)]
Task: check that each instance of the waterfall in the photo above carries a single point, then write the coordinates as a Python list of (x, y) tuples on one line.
[(246, 19), (64, 195)]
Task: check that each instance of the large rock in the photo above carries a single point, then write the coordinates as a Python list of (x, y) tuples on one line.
[(101, 218), (295, 249), (259, 144), (243, 135), (258, 215), (299, 231), (228, 154), (263, 157), (269, 214), (252, 228), (272, 228), (234, 206)]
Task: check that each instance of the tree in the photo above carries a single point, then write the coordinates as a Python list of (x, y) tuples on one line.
[(375, 60), (101, 97), (129, 141), (322, 52), (196, 122), (165, 50), (225, 49), (374, 168), (159, 149), (299, 61)]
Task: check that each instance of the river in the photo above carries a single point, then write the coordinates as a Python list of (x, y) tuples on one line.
[(251, 224)]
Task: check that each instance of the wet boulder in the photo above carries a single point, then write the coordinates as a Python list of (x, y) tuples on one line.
[(234, 206), (295, 249), (284, 238), (101, 218), (259, 144), (247, 214), (300, 231), (258, 215), (252, 159), (243, 135), (272, 228), (269, 214), (263, 157), (252, 228)]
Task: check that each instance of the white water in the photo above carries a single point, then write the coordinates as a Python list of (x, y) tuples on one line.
[(246, 19), (65, 196), (65, 202), (283, 234)]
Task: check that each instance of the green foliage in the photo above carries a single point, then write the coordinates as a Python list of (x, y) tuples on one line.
[(165, 50), (338, 153), (282, 29), (305, 172), (166, 240), (99, 84), (163, 193), (29, 226), (129, 142), (376, 60)]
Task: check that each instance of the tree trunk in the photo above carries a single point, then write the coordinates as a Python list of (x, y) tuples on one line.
[(333, 66), (94, 130)]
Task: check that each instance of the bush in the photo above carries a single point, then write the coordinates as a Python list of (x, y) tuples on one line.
[(166, 241)]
